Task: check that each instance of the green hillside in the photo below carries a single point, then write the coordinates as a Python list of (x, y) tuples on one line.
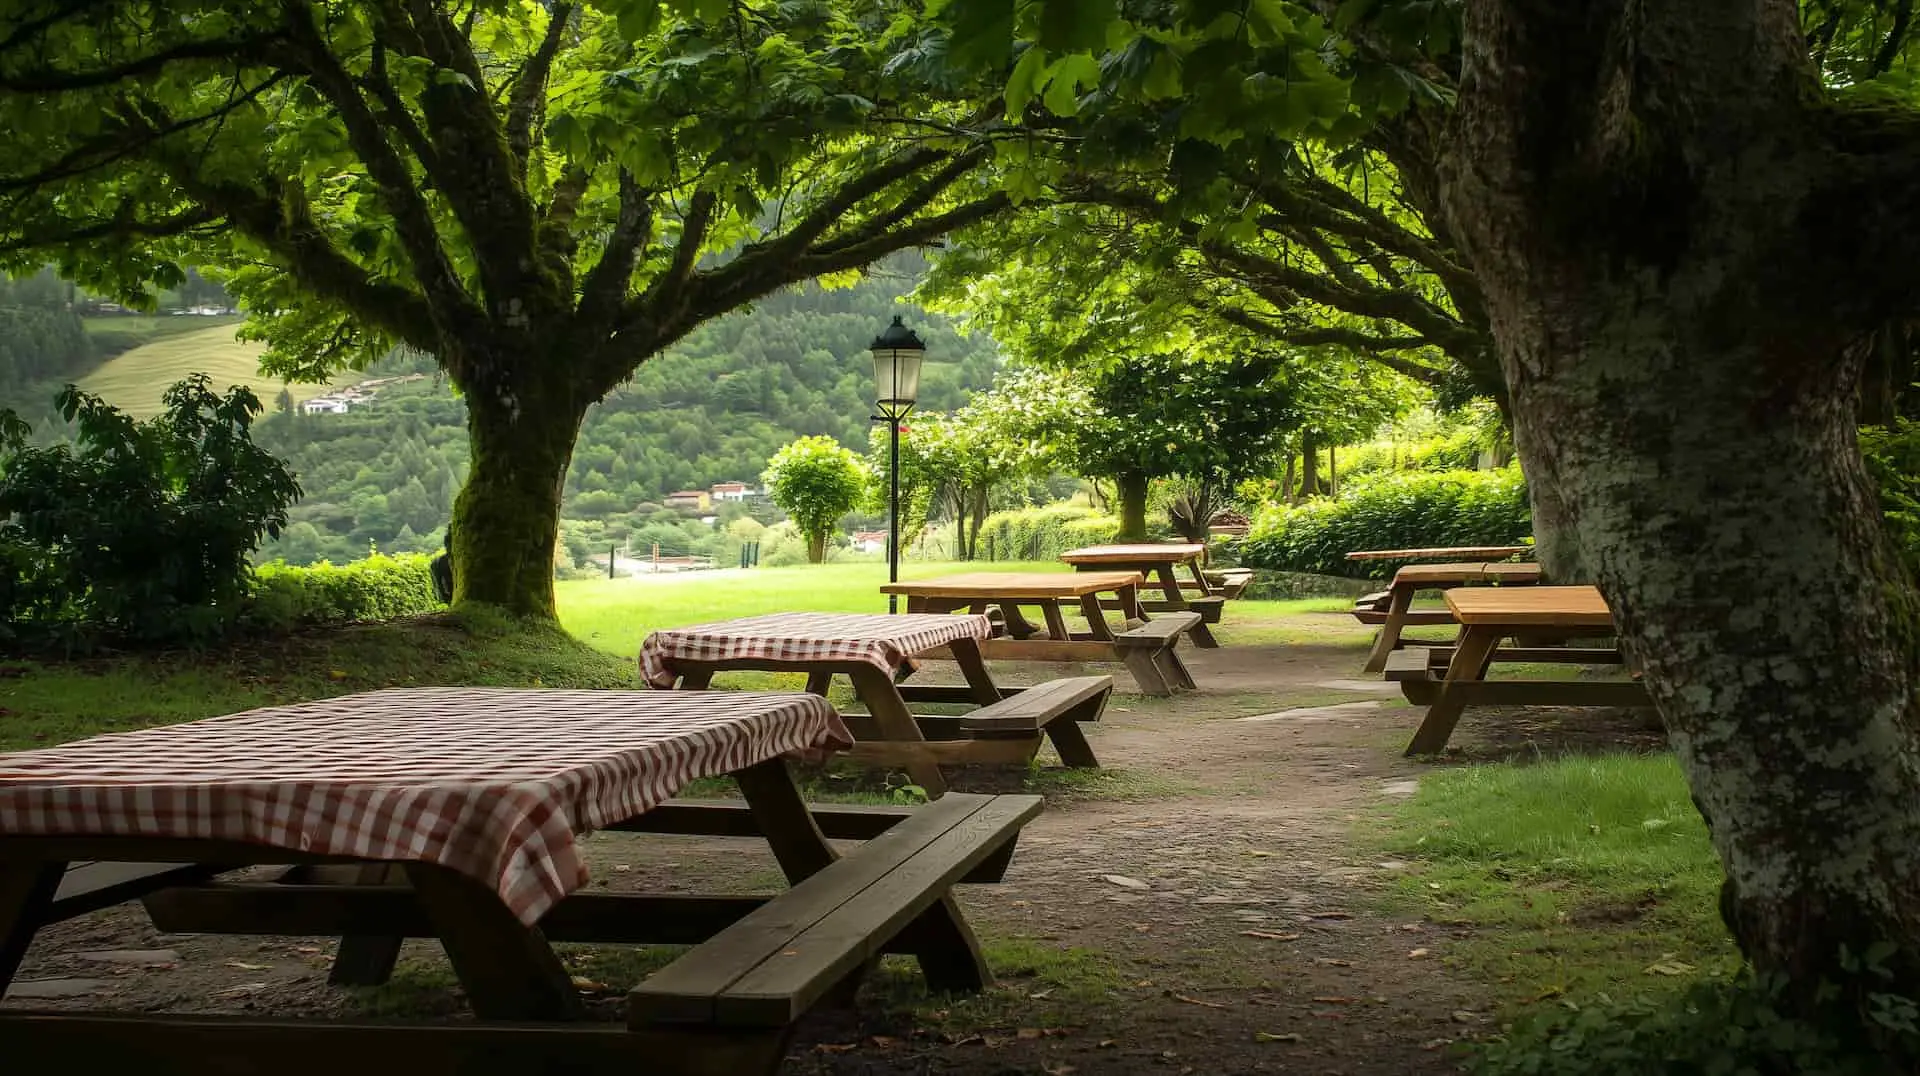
[(135, 380)]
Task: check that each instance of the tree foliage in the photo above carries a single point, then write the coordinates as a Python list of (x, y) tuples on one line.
[(816, 481)]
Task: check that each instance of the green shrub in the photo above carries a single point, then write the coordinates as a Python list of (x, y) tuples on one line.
[(1394, 511), (378, 588), (1043, 533), (1893, 459), (1717, 1028)]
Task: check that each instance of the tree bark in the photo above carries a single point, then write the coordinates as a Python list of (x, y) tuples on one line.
[(1132, 491), (507, 516), (817, 547), (1309, 466), (1683, 276)]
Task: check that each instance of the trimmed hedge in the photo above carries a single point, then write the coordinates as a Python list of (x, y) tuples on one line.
[(378, 588), (1043, 533), (1397, 511)]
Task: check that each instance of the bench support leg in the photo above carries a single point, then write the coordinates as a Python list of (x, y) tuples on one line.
[(368, 959), (966, 654), (26, 893), (1398, 601), (947, 949), (1146, 672), (1176, 672), (1071, 741), (1202, 636), (1469, 664), (882, 698)]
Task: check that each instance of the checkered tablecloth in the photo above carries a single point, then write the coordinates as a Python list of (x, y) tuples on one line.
[(493, 783), (804, 639)]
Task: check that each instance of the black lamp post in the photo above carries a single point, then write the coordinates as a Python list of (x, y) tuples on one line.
[(896, 377)]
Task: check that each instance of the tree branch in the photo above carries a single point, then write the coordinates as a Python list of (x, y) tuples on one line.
[(47, 80), (527, 104), (607, 283), (116, 227)]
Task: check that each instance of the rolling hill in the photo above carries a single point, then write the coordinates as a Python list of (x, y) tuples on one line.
[(135, 380)]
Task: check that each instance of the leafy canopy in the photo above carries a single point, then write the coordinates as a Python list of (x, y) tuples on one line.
[(815, 481)]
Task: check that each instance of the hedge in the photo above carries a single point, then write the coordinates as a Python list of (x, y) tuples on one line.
[(378, 588), (1044, 533), (1396, 511)]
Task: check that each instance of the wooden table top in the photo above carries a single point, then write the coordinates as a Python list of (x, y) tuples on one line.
[(1571, 607), (1468, 572), (1144, 553), (1465, 552), (1030, 585)]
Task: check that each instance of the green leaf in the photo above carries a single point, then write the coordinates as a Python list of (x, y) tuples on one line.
[(1025, 81), (1350, 13), (1070, 73), (1072, 25)]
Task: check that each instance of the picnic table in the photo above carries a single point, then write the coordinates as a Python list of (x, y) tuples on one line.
[(1449, 679), (1145, 644), (1465, 552), (1392, 608), (875, 651), (1158, 562), (475, 799)]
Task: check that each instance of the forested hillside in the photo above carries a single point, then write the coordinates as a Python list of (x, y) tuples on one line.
[(43, 343)]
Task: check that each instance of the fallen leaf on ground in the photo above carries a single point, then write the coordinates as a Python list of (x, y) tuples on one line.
[(1668, 966), (589, 986), (1027, 1033), (244, 966), (1465, 1017), (1269, 935), (1195, 1001), (1042, 994), (1333, 962), (835, 1047), (1416, 954), (1255, 852), (1124, 882), (1269, 1036)]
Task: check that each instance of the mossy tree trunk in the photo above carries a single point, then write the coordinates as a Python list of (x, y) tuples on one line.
[(1132, 491), (817, 547), (1687, 248)]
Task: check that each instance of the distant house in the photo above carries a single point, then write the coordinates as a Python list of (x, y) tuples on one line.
[(869, 541), (690, 498), (732, 491), (325, 405)]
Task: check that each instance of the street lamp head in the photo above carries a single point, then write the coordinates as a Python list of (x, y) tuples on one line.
[(896, 368)]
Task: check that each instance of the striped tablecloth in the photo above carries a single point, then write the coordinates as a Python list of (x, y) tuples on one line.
[(802, 639), (492, 782)]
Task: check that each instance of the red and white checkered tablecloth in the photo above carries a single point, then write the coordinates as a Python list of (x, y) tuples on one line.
[(492, 782), (882, 640)]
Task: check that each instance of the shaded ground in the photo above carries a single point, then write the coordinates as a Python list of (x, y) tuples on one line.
[(1202, 907)]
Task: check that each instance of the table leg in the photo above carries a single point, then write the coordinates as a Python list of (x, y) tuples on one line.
[(1096, 617), (818, 683), (1130, 604), (26, 892), (1018, 625), (696, 679), (1056, 621), (1469, 664), (966, 654), (889, 711), (506, 967), (1200, 577), (781, 813), (369, 959), (1169, 584), (1399, 599)]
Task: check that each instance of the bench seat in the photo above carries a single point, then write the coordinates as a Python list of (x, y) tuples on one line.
[(1231, 582), (89, 887), (777, 962), (1149, 654)]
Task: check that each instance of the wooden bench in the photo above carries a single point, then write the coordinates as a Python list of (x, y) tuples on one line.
[(1398, 614), (755, 978), (89, 887), (1054, 708), (1230, 582), (1148, 651)]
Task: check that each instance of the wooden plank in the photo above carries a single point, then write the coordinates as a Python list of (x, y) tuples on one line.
[(241, 1046), (89, 887), (1467, 552), (1469, 663), (936, 753), (1396, 617), (1413, 663), (687, 990), (1415, 618), (1462, 572), (298, 910), (781, 988), (1075, 650), (1013, 586), (1537, 606), (1032, 709), (780, 813), (881, 696), (369, 959), (1134, 555), (973, 668), (1551, 693), (1160, 631), (733, 818)]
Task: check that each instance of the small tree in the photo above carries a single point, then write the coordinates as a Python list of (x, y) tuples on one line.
[(816, 482)]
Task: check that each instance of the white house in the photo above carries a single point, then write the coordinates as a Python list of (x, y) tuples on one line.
[(732, 491), (325, 405), (869, 541)]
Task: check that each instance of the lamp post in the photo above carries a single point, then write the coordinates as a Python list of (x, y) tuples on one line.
[(896, 377)]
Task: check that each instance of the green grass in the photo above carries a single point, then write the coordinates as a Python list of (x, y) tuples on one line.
[(1575, 876), (47, 702), (134, 381)]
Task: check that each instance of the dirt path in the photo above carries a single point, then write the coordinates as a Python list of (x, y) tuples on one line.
[(1206, 911)]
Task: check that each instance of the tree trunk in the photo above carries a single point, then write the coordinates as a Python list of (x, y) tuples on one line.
[(506, 520), (1132, 491), (1556, 544), (1680, 300), (1309, 467), (1286, 482), (817, 548), (976, 506)]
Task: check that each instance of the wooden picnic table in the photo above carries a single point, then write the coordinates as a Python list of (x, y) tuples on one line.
[(455, 814), (1465, 552), (1449, 679), (1393, 611), (875, 651), (1159, 562), (1143, 643)]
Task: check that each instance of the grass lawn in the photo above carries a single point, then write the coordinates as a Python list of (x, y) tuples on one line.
[(134, 381), (1573, 876)]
